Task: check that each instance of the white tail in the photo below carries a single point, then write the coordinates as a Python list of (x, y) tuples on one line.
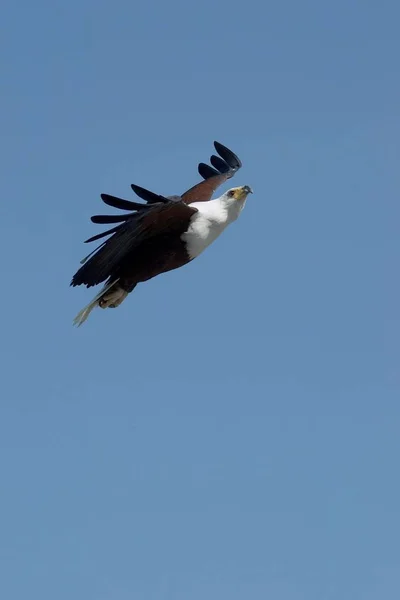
[(85, 312)]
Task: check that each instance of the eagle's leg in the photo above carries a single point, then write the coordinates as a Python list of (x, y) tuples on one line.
[(115, 296)]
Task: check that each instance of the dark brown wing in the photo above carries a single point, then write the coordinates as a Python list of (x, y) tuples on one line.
[(147, 219), (223, 168), (138, 209), (161, 219)]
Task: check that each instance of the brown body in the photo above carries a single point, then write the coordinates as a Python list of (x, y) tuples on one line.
[(155, 256)]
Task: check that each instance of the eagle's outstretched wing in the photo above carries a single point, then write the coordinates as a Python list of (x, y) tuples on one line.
[(223, 168), (159, 214), (164, 218)]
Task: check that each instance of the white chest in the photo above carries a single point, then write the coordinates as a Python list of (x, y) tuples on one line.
[(206, 225)]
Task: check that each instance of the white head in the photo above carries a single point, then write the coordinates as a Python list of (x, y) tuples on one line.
[(235, 198)]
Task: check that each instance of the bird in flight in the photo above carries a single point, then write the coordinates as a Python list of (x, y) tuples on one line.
[(161, 234)]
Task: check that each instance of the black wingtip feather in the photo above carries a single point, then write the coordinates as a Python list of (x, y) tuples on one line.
[(100, 235), (105, 219), (121, 204), (206, 171), (150, 197), (85, 259), (219, 164), (233, 161)]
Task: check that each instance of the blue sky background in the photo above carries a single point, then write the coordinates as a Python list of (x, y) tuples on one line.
[(232, 430)]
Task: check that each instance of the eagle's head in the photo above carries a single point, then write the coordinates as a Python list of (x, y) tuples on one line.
[(239, 193), (235, 200)]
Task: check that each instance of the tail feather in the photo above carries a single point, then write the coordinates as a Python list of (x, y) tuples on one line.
[(85, 312)]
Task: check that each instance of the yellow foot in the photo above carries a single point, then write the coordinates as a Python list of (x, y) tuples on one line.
[(113, 298)]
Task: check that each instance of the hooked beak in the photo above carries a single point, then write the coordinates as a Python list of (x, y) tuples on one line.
[(248, 189)]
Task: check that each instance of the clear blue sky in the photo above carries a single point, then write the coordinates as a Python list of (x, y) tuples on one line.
[(232, 430)]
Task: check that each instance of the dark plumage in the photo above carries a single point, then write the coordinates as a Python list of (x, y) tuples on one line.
[(148, 239)]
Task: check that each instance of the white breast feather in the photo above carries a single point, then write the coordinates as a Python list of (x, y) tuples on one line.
[(209, 222)]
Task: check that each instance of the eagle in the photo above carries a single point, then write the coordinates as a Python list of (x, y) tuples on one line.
[(160, 234)]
